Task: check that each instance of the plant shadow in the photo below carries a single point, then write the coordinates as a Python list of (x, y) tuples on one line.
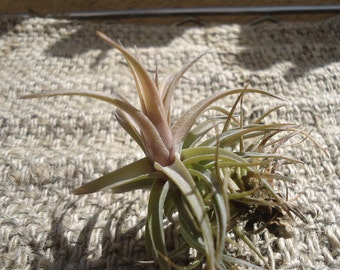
[(306, 46), (9, 24), (83, 38), (120, 247)]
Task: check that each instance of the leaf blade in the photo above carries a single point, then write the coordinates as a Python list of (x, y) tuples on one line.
[(185, 122), (133, 172), (181, 177), (155, 237), (156, 148)]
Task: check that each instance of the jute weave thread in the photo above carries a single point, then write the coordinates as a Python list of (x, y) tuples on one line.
[(52, 145)]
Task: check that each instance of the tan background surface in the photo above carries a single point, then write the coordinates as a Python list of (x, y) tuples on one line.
[(50, 146)]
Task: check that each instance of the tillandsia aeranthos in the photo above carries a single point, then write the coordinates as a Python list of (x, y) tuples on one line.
[(206, 183)]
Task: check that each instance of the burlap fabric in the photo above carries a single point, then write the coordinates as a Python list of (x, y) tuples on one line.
[(52, 145)]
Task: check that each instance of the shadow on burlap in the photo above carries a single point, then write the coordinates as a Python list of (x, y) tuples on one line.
[(50, 146)]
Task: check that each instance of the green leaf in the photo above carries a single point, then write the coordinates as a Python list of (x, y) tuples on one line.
[(185, 122), (198, 132), (227, 158), (180, 176), (232, 136), (219, 204), (139, 174), (193, 265), (268, 156), (250, 244), (190, 231), (154, 232)]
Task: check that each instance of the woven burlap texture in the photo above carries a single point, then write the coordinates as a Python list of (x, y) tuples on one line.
[(52, 145)]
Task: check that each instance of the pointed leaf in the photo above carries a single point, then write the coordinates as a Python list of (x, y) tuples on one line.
[(231, 113), (198, 132), (258, 120), (154, 144), (198, 154), (232, 136), (131, 174), (185, 122), (268, 155), (147, 91), (170, 82)]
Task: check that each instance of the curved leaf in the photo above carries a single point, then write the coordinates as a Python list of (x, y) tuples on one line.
[(149, 95), (220, 202), (198, 132), (230, 137), (181, 177), (154, 232), (251, 245), (198, 154), (185, 122), (268, 155), (154, 143), (139, 174)]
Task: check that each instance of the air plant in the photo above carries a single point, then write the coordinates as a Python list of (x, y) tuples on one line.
[(208, 179)]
